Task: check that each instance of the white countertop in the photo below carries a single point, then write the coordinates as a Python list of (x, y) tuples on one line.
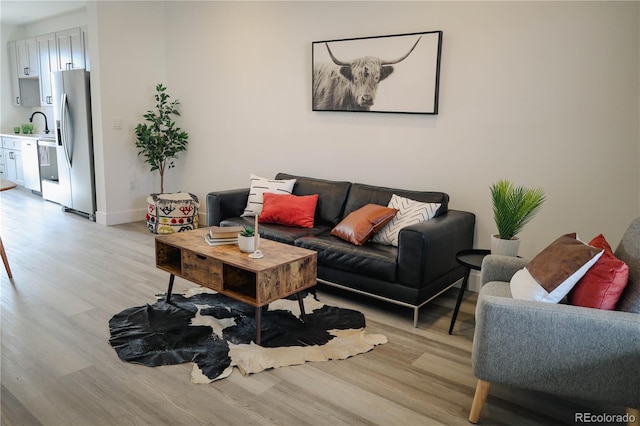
[(36, 136)]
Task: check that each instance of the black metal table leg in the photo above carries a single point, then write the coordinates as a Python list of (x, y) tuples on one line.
[(171, 279), (463, 287), (303, 314)]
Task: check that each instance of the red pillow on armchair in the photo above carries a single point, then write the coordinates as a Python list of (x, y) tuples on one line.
[(602, 285), (288, 209)]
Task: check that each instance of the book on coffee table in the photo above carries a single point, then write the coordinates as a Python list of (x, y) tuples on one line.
[(220, 241), (216, 232)]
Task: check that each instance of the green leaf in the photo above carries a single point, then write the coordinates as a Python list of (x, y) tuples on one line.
[(160, 140), (514, 207)]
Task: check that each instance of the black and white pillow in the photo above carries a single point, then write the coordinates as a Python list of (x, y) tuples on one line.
[(259, 186), (409, 212)]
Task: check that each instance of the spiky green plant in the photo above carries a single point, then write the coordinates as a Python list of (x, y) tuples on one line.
[(514, 207), (161, 141), (247, 231)]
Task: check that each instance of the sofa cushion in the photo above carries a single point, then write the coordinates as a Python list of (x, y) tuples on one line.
[(409, 212), (259, 186), (553, 272), (331, 196), (288, 209), (371, 260), (362, 224), (361, 194), (603, 284)]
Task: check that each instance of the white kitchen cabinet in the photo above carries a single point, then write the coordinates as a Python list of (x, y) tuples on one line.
[(48, 53), (12, 153), (24, 91), (13, 64), (2, 173), (71, 51), (27, 56), (31, 164), (85, 43)]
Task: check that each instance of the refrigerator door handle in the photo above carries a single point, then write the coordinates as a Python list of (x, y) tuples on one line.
[(63, 124)]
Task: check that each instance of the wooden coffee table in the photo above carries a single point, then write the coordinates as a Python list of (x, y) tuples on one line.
[(284, 270)]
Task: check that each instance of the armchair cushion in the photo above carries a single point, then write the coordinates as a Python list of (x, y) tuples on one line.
[(550, 275), (603, 284)]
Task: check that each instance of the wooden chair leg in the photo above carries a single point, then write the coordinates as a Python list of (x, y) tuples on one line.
[(634, 416), (5, 260), (482, 391)]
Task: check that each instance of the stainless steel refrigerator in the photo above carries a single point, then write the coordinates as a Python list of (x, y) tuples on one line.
[(75, 185)]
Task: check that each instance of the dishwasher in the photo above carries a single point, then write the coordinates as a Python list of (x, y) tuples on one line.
[(48, 160)]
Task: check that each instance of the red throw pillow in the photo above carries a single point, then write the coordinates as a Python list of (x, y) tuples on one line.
[(290, 210), (362, 224), (603, 284)]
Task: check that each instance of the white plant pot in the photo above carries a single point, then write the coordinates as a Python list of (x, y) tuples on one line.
[(505, 247), (246, 244)]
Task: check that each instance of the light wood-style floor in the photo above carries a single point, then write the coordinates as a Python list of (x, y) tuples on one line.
[(71, 275)]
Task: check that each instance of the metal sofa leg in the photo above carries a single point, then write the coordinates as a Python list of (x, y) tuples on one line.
[(482, 391), (416, 310)]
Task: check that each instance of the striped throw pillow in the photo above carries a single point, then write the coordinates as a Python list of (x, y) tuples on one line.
[(409, 213), (259, 186)]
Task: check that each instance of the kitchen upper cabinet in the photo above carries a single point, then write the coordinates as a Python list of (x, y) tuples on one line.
[(15, 83), (48, 52), (71, 51), (27, 56)]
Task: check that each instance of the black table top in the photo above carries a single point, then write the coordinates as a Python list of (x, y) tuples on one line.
[(472, 258)]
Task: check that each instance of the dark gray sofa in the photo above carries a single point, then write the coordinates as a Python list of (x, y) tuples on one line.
[(419, 269)]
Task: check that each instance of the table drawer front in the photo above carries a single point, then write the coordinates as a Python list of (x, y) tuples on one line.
[(202, 270)]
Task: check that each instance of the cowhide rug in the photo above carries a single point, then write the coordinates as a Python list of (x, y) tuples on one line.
[(216, 333)]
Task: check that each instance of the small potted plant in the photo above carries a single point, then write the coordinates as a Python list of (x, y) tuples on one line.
[(513, 208), (247, 239)]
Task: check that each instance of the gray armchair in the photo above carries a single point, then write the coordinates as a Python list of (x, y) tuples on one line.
[(560, 349)]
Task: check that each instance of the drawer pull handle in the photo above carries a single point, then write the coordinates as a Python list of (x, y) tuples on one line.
[(201, 257)]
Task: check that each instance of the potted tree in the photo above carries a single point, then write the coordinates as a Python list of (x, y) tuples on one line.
[(161, 140), (513, 208)]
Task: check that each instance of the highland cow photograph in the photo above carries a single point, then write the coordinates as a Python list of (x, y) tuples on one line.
[(393, 73)]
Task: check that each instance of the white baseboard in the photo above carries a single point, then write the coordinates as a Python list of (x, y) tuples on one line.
[(474, 281), (117, 218)]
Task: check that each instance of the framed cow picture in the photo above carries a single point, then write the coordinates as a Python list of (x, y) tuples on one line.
[(393, 74)]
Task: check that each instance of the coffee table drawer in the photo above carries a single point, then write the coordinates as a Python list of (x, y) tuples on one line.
[(203, 270)]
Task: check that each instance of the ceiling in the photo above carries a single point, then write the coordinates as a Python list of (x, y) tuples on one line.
[(26, 11)]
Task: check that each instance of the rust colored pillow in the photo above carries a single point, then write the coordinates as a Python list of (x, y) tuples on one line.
[(603, 284), (362, 224), (290, 210)]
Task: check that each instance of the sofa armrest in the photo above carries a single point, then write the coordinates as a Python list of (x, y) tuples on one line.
[(427, 250), (222, 205), (500, 268), (568, 350)]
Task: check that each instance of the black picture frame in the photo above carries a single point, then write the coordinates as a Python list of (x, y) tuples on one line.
[(397, 73)]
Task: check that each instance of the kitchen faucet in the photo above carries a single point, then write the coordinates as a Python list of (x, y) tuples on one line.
[(46, 126)]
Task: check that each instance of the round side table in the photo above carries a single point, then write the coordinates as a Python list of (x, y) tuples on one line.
[(471, 259)]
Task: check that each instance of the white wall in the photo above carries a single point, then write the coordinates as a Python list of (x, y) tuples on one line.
[(543, 93)]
